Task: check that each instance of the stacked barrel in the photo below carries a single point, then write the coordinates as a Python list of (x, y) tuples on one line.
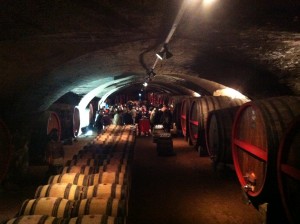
[(93, 187)]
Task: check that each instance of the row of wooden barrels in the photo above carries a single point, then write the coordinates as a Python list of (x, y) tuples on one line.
[(259, 137), (93, 187)]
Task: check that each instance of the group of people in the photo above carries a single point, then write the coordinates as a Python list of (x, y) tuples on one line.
[(118, 115), (131, 114)]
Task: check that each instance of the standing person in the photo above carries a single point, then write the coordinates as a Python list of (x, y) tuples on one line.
[(166, 119), (158, 115), (152, 116), (54, 153), (117, 120), (133, 115)]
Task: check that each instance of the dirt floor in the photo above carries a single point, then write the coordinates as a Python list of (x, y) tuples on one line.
[(179, 189)]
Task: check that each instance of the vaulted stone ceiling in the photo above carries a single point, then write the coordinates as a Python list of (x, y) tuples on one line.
[(51, 48)]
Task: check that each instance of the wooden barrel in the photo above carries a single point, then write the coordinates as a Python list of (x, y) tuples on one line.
[(89, 155), (76, 121), (65, 113), (218, 135), (118, 191), (257, 130), (199, 110), (43, 125), (99, 206), (93, 219), (62, 190), (175, 103), (72, 178), (82, 162), (52, 206), (108, 177), (5, 150), (79, 169), (35, 219), (176, 115), (119, 157), (184, 116), (288, 171), (113, 167)]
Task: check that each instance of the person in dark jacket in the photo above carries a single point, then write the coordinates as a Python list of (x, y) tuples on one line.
[(166, 120)]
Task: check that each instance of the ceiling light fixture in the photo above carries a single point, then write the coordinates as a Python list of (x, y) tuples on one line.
[(164, 52), (151, 73)]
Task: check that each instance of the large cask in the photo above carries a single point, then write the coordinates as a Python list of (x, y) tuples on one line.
[(218, 135), (257, 131), (288, 171), (43, 125), (184, 116), (175, 104), (199, 110)]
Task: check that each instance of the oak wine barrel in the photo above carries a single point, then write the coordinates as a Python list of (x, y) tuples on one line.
[(82, 162), (35, 219), (72, 178), (288, 171), (108, 177), (106, 190), (61, 190), (199, 110), (113, 167), (100, 206), (5, 150), (78, 169), (257, 130), (43, 125), (218, 135), (121, 158), (52, 206), (93, 219)]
